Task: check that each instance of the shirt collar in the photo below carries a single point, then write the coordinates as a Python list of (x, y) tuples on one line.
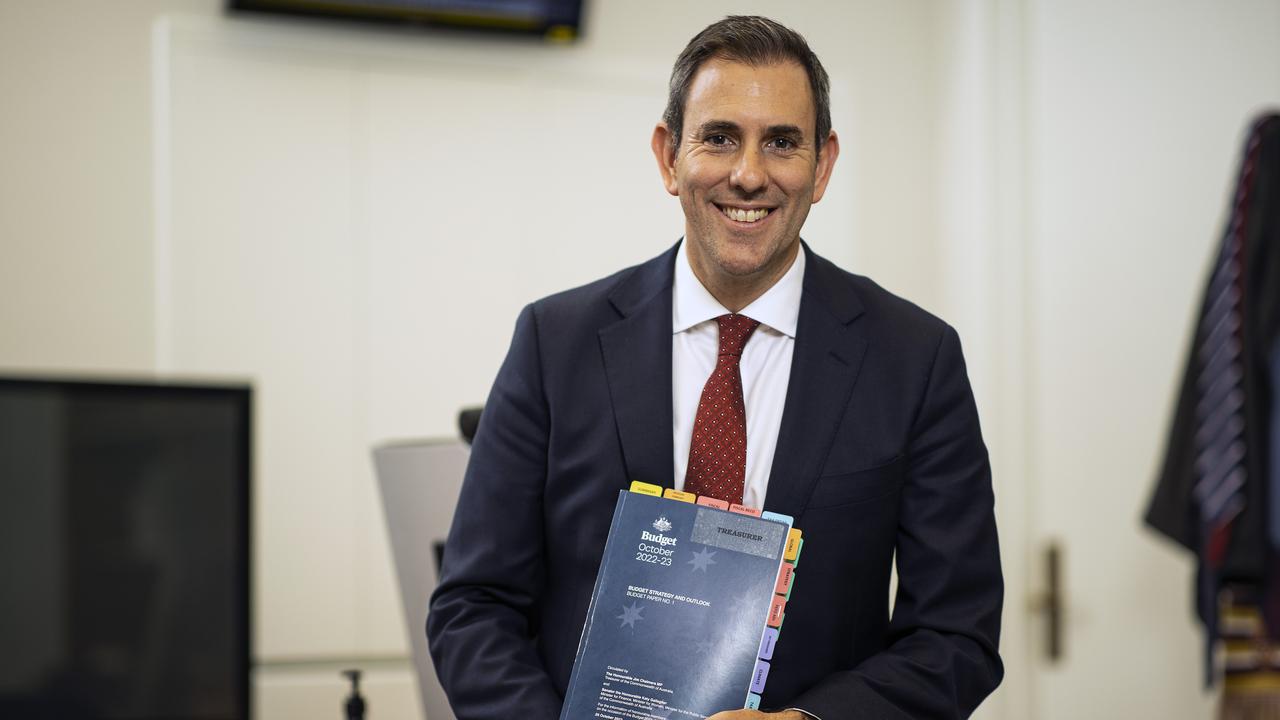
[(778, 307)]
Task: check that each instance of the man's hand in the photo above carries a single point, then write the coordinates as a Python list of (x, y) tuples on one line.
[(757, 715)]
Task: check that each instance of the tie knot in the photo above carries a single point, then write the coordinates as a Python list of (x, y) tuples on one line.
[(734, 331)]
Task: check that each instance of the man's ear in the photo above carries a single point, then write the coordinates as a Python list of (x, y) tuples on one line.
[(664, 150), (826, 161)]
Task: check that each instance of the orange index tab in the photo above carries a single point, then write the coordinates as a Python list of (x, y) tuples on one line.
[(793, 546), (716, 503), (674, 494), (785, 575), (743, 509), (776, 611), (645, 488)]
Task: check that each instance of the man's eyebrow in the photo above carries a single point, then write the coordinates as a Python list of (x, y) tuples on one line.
[(787, 130), (712, 127)]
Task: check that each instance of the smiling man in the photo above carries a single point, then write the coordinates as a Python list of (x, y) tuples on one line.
[(743, 154), (741, 365)]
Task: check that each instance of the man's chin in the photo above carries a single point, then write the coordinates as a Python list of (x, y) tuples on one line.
[(746, 265)]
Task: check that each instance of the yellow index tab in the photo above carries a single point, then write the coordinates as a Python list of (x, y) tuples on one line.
[(793, 546), (645, 488), (674, 494)]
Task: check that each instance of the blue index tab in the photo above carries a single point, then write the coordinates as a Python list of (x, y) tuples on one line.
[(753, 702), (778, 517), (766, 644)]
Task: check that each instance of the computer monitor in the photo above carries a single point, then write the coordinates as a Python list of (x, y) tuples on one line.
[(124, 550)]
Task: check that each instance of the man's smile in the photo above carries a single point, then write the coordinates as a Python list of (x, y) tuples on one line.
[(744, 214)]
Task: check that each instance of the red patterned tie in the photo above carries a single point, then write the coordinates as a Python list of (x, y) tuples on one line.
[(718, 453)]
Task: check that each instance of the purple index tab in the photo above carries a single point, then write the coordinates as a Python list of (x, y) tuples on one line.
[(766, 645), (759, 677)]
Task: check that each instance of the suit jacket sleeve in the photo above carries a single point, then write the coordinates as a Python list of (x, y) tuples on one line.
[(483, 615), (941, 657)]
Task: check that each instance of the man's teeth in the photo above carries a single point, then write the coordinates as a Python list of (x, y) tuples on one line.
[(745, 215)]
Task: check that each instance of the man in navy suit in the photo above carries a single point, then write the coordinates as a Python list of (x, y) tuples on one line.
[(872, 442)]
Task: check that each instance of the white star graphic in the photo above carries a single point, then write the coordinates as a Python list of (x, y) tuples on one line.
[(702, 559), (630, 615)]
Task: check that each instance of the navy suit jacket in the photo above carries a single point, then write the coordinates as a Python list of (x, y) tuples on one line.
[(879, 452)]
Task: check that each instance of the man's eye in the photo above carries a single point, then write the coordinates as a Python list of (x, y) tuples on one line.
[(718, 140), (783, 143)]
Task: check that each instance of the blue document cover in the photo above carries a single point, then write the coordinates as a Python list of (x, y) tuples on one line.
[(678, 618)]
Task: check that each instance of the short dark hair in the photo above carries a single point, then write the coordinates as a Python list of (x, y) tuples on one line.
[(753, 40)]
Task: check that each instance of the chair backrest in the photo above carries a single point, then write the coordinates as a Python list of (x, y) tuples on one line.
[(419, 483)]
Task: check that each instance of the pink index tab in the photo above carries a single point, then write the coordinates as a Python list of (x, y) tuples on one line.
[(753, 702), (766, 644), (645, 488), (743, 509), (775, 611), (713, 502), (786, 574), (759, 677), (674, 494)]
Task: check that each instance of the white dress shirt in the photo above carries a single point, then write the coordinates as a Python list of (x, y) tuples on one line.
[(765, 365)]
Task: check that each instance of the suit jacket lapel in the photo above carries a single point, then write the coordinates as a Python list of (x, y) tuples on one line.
[(824, 367), (637, 359)]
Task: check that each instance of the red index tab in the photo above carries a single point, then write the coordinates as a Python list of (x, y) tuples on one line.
[(776, 610), (716, 503), (754, 512), (785, 575)]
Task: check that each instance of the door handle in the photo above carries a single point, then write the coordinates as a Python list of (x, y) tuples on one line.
[(1050, 601)]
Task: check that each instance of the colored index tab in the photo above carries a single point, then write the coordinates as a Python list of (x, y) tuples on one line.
[(793, 546), (716, 503), (735, 507), (753, 702), (766, 644), (759, 677), (777, 517), (645, 488), (785, 575), (799, 547), (674, 494), (775, 611)]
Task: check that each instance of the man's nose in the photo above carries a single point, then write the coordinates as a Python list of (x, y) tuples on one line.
[(749, 174)]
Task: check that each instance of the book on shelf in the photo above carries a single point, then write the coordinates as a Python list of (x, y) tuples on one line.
[(688, 604)]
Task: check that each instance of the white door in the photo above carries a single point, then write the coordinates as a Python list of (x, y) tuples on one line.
[(1127, 120), (1088, 151)]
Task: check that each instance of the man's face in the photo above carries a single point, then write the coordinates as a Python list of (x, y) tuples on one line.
[(746, 169)]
